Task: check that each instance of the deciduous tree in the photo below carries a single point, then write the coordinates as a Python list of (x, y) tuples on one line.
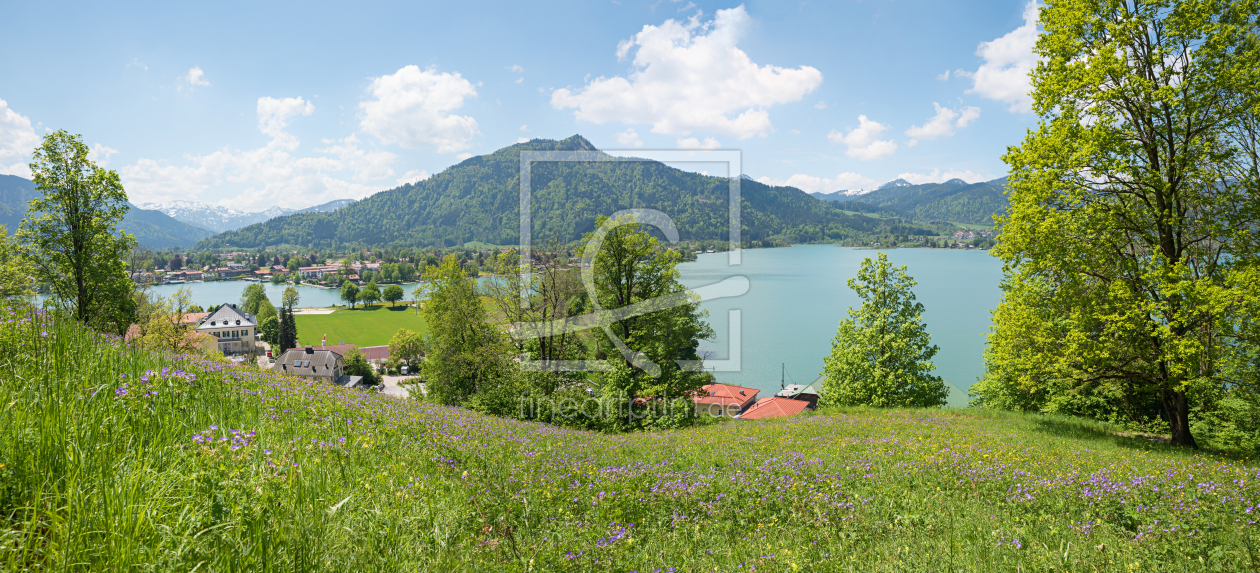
[(882, 352), (1133, 202), (71, 234)]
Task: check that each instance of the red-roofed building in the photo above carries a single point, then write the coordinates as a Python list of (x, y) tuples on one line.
[(725, 400), (774, 408)]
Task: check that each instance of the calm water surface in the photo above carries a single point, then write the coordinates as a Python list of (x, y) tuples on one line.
[(797, 296)]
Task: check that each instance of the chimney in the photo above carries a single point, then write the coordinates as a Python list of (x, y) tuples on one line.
[(310, 350)]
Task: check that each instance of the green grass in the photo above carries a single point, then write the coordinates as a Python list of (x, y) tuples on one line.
[(372, 326), (213, 468)]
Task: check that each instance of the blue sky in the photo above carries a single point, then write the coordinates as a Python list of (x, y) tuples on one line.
[(294, 104)]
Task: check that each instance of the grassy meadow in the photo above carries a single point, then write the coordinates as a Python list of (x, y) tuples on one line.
[(364, 326), (116, 459)]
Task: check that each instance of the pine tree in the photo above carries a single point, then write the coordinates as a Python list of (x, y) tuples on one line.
[(882, 351)]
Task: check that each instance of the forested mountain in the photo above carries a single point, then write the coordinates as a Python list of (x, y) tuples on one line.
[(954, 200), (218, 218), (478, 200), (152, 229)]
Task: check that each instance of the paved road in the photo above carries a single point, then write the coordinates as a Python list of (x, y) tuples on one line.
[(390, 386)]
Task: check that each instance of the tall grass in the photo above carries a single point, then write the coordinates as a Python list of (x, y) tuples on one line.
[(116, 459)]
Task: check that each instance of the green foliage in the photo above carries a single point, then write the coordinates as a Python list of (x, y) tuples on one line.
[(269, 328), (287, 333), (1132, 203), (392, 294), (290, 298), (15, 269), (370, 294), (70, 233), (882, 352), (653, 350), (407, 345), (357, 365), (253, 297), (349, 292), (468, 360)]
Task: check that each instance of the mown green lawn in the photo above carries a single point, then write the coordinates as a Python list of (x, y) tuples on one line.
[(372, 326)]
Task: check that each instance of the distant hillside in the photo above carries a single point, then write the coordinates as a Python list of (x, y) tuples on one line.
[(218, 218), (954, 200), (152, 229), (478, 200)]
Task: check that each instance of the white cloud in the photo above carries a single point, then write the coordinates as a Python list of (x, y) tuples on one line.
[(367, 165), (195, 77), (969, 114), (795, 131), (693, 143), (937, 177), (522, 139), (691, 76), (412, 109), (274, 115), (17, 141), (1007, 62), (942, 124), (944, 76), (629, 138), (525, 128), (270, 175), (813, 184), (820, 105), (413, 176), (863, 141), (519, 80), (463, 156), (100, 154), (516, 68)]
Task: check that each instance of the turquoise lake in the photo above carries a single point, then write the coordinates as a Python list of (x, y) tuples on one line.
[(797, 296)]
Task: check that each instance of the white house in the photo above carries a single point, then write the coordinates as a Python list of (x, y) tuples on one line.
[(234, 328)]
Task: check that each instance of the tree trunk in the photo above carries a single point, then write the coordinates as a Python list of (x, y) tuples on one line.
[(1178, 411)]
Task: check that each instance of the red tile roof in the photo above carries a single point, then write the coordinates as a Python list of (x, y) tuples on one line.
[(774, 408), (727, 395)]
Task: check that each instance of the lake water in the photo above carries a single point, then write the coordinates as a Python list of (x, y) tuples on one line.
[(797, 297), (795, 300), (218, 292)]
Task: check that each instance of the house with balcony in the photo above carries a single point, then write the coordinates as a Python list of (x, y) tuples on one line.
[(235, 329)]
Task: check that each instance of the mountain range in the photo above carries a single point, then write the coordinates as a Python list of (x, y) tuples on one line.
[(152, 229), (954, 200), (218, 218), (478, 199)]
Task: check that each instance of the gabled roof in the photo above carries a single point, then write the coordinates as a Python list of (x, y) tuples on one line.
[(774, 408), (725, 394), (299, 362), (226, 316)]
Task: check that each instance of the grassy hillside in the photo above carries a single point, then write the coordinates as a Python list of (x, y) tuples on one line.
[(372, 326), (115, 460)]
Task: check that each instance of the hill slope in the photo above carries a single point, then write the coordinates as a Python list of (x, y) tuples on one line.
[(954, 200), (478, 200), (127, 460), (152, 229)]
